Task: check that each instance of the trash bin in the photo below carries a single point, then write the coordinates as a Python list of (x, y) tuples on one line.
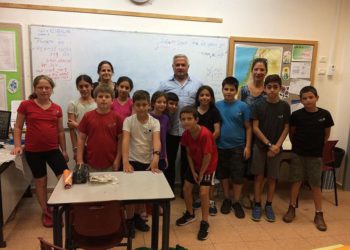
[(328, 181)]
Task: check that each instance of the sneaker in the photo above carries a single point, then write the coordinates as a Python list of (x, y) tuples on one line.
[(290, 215), (238, 210), (246, 202), (269, 214), (212, 208), (203, 230), (46, 218), (130, 225), (319, 221), (226, 206), (140, 224), (256, 213), (196, 204), (185, 219)]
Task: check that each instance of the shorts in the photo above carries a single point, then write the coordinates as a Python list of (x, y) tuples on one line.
[(139, 166), (208, 179), (306, 168), (37, 162), (231, 164), (263, 165)]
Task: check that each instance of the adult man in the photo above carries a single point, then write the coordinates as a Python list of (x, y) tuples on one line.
[(185, 87)]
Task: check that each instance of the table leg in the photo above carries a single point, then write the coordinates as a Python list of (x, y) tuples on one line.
[(57, 228), (2, 242), (166, 225), (155, 226)]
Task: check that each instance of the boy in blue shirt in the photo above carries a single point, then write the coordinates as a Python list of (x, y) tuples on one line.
[(234, 145), (310, 128), (270, 125)]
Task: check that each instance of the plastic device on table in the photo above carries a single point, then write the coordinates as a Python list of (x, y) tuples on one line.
[(80, 174), (67, 179)]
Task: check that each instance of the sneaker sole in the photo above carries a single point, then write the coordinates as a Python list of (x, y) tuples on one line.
[(256, 219), (187, 222), (203, 238), (270, 220), (213, 214)]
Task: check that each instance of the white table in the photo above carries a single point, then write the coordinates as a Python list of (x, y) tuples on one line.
[(13, 185), (142, 186)]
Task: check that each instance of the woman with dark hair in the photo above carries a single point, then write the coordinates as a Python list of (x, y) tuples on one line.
[(105, 72)]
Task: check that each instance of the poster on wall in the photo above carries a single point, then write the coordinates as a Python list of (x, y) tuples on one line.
[(302, 53)]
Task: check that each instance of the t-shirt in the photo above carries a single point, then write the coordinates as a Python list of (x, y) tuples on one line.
[(233, 115), (42, 126), (102, 132), (200, 146), (209, 118), (141, 138), (123, 110), (309, 134), (272, 118), (79, 109), (164, 126)]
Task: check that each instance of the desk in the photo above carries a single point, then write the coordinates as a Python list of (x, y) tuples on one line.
[(142, 186)]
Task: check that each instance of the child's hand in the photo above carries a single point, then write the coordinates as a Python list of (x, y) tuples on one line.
[(247, 153), (17, 151), (270, 154), (275, 149), (72, 124), (127, 168), (153, 167), (65, 155), (199, 178), (115, 166)]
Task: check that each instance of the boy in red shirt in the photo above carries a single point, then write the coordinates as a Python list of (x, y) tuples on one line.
[(101, 131), (202, 157)]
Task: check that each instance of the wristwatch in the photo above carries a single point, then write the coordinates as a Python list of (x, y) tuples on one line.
[(269, 144), (156, 152)]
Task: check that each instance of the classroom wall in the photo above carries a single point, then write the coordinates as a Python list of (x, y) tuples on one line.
[(321, 20)]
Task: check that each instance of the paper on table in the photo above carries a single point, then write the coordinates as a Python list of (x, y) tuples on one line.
[(300, 70), (3, 98), (8, 51), (296, 85)]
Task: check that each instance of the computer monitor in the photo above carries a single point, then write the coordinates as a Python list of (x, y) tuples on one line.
[(5, 119)]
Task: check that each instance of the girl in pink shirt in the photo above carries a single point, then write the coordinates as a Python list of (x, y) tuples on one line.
[(122, 104)]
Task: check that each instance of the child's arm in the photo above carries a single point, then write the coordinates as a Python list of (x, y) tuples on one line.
[(116, 163), (190, 164), (327, 133), (156, 148), (80, 147), (248, 139), (125, 151), (291, 133), (17, 133), (258, 132), (205, 163), (73, 133), (276, 148), (62, 138), (216, 132)]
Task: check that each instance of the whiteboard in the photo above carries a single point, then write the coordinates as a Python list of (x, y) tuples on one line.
[(65, 53)]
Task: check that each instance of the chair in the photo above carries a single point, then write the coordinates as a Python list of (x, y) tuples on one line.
[(44, 245), (98, 225), (332, 159)]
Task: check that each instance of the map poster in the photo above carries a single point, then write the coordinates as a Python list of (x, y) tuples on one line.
[(245, 54)]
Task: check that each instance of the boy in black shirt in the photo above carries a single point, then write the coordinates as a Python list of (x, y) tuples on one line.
[(310, 128)]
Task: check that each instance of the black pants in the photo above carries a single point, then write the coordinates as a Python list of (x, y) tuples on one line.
[(172, 146)]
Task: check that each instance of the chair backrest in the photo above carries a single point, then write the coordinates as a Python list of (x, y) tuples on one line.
[(328, 154), (98, 219), (44, 245)]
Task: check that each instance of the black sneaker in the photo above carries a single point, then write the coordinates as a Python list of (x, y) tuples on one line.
[(140, 224), (226, 206), (238, 210), (185, 219), (130, 225), (203, 230)]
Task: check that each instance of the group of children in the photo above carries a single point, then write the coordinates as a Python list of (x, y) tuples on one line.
[(222, 140)]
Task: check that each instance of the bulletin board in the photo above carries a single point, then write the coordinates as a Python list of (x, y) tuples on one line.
[(11, 65), (293, 60)]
